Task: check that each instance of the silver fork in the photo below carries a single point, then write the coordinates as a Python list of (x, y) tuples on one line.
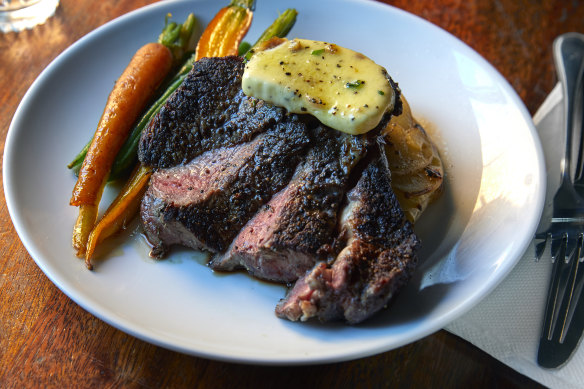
[(564, 313)]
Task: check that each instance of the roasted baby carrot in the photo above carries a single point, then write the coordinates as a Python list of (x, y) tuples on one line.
[(132, 91), (120, 212)]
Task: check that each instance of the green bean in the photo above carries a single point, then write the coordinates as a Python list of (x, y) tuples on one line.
[(280, 28)]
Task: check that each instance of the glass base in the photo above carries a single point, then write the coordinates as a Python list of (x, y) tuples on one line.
[(14, 20)]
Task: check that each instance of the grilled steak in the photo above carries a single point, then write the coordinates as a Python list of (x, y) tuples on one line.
[(205, 203), (378, 259), (296, 228), (209, 110), (263, 190)]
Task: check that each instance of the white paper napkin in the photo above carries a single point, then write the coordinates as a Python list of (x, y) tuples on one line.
[(507, 323)]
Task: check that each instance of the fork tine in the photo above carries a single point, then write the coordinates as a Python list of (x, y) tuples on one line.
[(576, 285), (556, 290), (568, 302), (571, 246), (564, 313), (565, 292), (575, 324), (558, 243)]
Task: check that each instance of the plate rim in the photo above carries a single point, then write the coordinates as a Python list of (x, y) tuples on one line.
[(127, 327)]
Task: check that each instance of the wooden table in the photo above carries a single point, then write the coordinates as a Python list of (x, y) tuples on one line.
[(47, 339)]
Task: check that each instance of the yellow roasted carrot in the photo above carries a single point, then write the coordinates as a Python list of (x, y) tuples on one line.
[(83, 226), (132, 91)]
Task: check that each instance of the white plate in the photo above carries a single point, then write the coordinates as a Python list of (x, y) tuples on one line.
[(472, 236)]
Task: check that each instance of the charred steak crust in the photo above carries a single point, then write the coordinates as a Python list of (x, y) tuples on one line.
[(378, 260), (221, 217), (297, 227), (311, 216), (207, 111), (207, 212), (378, 217)]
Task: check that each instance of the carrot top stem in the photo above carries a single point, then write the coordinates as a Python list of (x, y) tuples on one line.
[(181, 39), (247, 4)]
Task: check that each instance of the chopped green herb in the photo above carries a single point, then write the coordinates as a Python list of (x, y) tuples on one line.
[(355, 84), (381, 92), (317, 52)]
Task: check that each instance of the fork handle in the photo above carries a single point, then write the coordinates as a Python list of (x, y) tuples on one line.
[(569, 61)]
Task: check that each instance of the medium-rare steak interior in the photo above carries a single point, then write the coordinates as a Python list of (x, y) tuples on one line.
[(295, 229), (214, 195), (378, 258), (278, 194)]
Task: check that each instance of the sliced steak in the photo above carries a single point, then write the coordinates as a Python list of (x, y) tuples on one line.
[(209, 110), (378, 259), (297, 227), (223, 161), (205, 203)]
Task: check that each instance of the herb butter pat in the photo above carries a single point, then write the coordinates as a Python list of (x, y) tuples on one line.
[(342, 88)]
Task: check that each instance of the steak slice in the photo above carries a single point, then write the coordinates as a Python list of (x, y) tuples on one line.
[(209, 110), (296, 228), (205, 203), (377, 261)]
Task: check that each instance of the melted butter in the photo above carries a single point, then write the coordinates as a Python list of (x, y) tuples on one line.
[(342, 88)]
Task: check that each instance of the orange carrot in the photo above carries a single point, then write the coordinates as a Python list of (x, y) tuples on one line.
[(120, 212), (131, 92)]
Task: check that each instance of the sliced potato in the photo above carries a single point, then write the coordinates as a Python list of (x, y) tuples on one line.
[(420, 182), (413, 207), (407, 146), (416, 191), (414, 161)]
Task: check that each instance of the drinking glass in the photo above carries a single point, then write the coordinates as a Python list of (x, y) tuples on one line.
[(17, 15)]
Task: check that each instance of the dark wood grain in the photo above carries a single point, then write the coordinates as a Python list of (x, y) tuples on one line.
[(513, 35), (48, 340)]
